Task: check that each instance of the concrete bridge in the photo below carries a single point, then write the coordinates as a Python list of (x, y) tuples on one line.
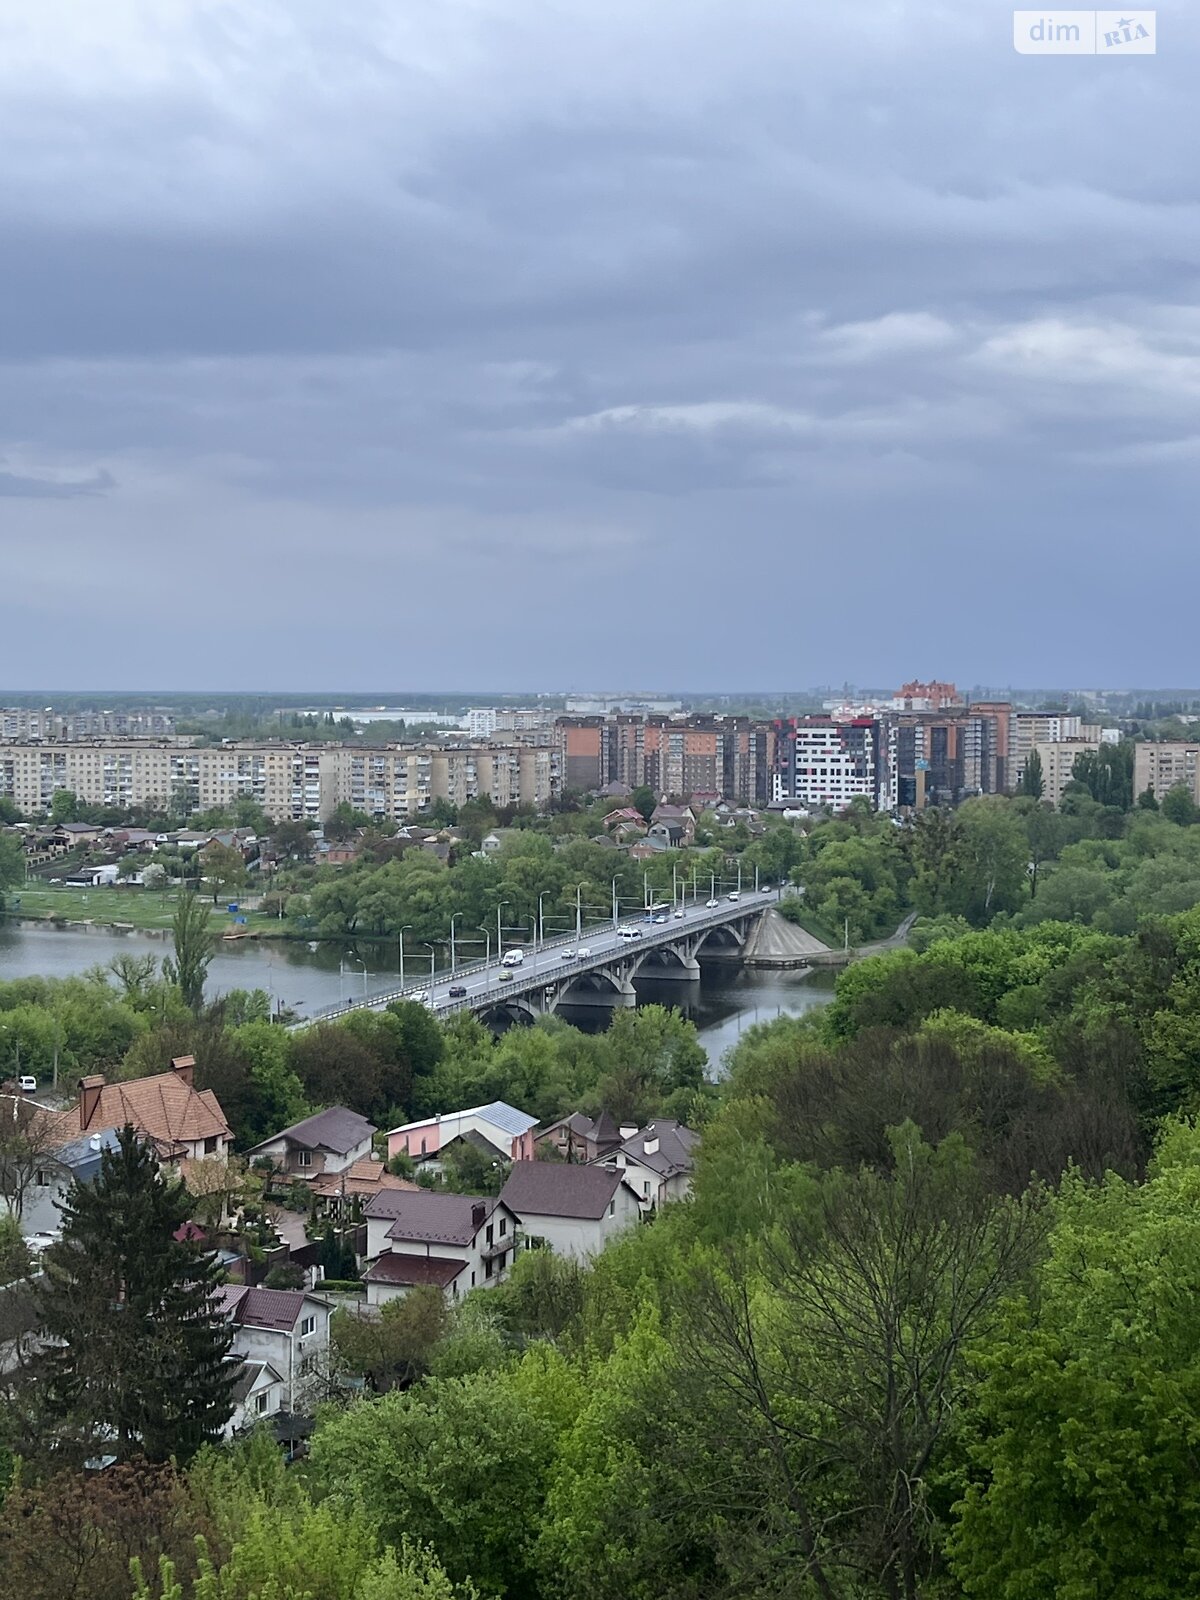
[(597, 968)]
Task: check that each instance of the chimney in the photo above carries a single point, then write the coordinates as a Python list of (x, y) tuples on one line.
[(184, 1067), (650, 1147), (89, 1099), (627, 1130), (478, 1212)]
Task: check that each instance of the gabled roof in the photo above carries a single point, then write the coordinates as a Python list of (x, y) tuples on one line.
[(276, 1309), (82, 1156), (498, 1112), (366, 1177), (408, 1271), (559, 1189), (426, 1217), (249, 1373), (166, 1108), (336, 1128), (675, 1146)]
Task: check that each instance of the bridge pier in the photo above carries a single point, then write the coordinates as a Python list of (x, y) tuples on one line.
[(685, 970), (614, 995)]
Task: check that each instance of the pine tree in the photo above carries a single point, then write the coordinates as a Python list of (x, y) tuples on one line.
[(137, 1361), (1033, 781)]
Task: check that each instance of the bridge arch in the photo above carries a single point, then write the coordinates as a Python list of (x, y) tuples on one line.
[(725, 940)]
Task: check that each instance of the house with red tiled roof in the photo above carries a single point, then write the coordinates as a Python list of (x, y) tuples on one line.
[(181, 1121), (365, 1179)]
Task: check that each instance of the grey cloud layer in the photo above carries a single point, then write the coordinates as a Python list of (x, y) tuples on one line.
[(428, 344)]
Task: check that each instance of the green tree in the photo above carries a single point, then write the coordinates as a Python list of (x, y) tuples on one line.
[(1033, 779), (1146, 800), (1179, 807), (395, 1348), (1083, 1476), (991, 860), (136, 1362), (224, 868), (194, 949), (64, 807), (12, 863), (292, 841), (644, 799)]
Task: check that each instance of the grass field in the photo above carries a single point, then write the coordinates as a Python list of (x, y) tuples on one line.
[(136, 908)]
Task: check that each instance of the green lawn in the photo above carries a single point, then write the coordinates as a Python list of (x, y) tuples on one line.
[(137, 908)]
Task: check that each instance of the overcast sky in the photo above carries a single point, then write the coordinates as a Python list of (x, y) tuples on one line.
[(575, 343)]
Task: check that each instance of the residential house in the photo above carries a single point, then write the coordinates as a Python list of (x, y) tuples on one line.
[(329, 1142), (288, 1329), (573, 1210), (671, 834), (77, 834), (684, 816), (508, 1131), (657, 1161), (257, 1394), (581, 1138), (76, 1161), (646, 849), (459, 1242), (181, 1121), (362, 1181)]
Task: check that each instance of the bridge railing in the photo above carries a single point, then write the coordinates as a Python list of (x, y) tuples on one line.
[(527, 982)]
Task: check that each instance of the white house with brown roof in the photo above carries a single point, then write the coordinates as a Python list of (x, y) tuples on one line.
[(257, 1394), (181, 1121), (573, 1210), (288, 1329), (458, 1241), (657, 1162), (329, 1141)]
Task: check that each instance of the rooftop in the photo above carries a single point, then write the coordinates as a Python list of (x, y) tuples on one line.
[(336, 1128), (412, 1270), (664, 1147), (277, 1309), (424, 1216), (166, 1107), (559, 1189)]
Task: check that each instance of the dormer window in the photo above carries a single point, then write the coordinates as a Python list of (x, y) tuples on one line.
[(304, 1158)]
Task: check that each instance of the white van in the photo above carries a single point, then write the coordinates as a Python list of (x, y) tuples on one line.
[(629, 933), (27, 1085), (512, 958)]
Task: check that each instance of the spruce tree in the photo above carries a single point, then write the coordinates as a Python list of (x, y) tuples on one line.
[(137, 1364)]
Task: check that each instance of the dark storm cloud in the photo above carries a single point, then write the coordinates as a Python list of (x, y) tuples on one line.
[(438, 343)]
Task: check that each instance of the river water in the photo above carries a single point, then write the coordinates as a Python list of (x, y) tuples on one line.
[(305, 977)]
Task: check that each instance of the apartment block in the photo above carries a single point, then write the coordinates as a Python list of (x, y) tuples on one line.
[(1058, 757), (822, 762), (19, 723), (673, 755), (1164, 766), (289, 782)]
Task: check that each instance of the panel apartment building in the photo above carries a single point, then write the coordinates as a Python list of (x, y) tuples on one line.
[(1164, 766), (673, 755), (291, 782), (21, 722)]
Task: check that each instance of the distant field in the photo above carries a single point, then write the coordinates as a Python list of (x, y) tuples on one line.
[(137, 908)]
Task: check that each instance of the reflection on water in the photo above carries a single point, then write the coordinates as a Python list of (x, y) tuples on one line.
[(305, 977)]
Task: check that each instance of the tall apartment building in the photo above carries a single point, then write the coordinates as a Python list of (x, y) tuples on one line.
[(1058, 757), (1164, 766), (673, 755), (821, 762), (289, 782), (18, 723)]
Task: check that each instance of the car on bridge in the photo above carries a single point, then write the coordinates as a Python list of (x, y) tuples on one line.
[(736, 895), (629, 933), (456, 991), (711, 903), (679, 916), (512, 958), (569, 955), (506, 977), (661, 918), (585, 952)]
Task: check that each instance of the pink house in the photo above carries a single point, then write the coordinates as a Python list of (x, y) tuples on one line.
[(506, 1130)]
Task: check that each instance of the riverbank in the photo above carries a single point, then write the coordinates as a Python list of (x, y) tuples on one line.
[(146, 910)]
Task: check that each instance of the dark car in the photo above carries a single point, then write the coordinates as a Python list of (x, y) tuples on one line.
[(457, 990)]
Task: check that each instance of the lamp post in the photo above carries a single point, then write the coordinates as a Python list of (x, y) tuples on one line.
[(646, 890), (363, 965), (615, 904), (432, 959), (407, 928), (578, 913), (487, 934), (499, 928), (712, 886), (541, 925), (453, 920)]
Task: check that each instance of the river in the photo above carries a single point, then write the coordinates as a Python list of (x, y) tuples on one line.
[(304, 977)]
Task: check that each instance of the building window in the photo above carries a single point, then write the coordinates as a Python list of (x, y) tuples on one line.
[(210, 1146), (307, 1326), (42, 1178), (646, 1186), (472, 1280), (612, 1208), (503, 1226), (490, 1231), (304, 1158), (487, 1268), (260, 1403), (422, 1147)]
